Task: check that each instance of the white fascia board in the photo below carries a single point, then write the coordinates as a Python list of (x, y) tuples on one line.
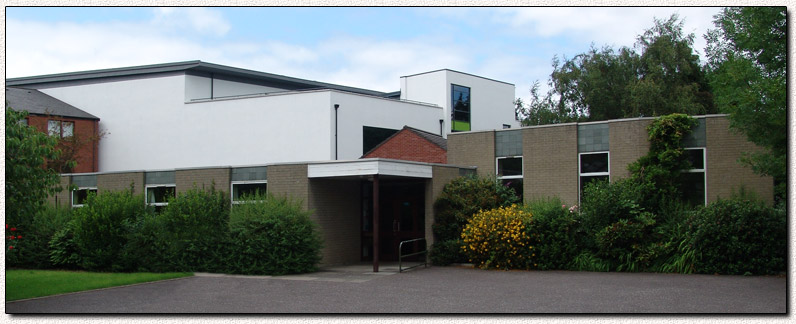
[(365, 168)]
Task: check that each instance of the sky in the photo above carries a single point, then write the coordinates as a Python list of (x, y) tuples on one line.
[(360, 47)]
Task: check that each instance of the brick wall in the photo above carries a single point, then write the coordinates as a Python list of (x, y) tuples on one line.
[(473, 149), (289, 180), (550, 162), (121, 181), (406, 145), (441, 176), (724, 173), (203, 178), (86, 131), (336, 211), (64, 197), (628, 142)]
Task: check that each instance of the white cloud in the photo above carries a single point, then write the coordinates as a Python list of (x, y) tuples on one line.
[(202, 20)]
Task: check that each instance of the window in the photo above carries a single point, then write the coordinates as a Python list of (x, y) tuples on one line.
[(592, 167), (460, 108), (159, 195), (80, 195), (509, 172), (693, 180), (60, 128), (242, 189)]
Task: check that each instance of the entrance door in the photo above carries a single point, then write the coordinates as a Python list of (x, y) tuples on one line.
[(401, 218)]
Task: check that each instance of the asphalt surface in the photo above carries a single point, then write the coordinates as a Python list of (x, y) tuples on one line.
[(451, 290)]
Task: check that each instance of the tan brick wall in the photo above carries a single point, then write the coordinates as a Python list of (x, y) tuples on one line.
[(473, 149), (550, 162), (628, 142), (62, 198), (289, 180), (203, 178), (336, 211), (724, 173), (121, 181), (441, 176)]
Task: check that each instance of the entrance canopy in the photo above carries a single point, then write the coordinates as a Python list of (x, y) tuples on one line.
[(369, 167)]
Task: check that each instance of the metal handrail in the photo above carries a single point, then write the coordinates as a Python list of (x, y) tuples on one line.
[(400, 255)]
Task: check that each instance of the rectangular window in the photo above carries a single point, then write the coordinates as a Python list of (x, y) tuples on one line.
[(54, 128), (60, 128), (460, 108), (243, 189), (509, 172), (693, 180), (80, 195), (592, 167), (67, 129), (159, 195)]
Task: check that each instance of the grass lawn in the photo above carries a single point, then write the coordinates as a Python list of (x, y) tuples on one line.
[(22, 284)]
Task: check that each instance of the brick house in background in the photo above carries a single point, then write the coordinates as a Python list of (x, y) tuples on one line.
[(57, 118), (412, 144)]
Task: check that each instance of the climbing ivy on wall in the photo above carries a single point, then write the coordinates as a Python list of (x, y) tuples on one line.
[(658, 172)]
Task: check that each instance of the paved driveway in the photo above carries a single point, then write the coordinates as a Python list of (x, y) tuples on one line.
[(431, 290)]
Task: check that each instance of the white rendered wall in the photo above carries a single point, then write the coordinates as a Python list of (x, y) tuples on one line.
[(491, 102), (151, 127), (358, 110), (200, 87)]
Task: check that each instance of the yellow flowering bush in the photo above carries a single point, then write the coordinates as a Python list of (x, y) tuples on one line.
[(497, 239)]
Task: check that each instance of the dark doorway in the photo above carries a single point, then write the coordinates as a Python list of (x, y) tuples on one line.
[(401, 218)]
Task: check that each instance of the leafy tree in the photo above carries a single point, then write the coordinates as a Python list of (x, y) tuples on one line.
[(28, 182), (747, 64), (603, 83)]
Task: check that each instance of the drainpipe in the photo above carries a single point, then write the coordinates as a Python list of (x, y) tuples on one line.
[(335, 130), (212, 82), (442, 127)]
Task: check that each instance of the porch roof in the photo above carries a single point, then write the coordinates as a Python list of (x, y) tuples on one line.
[(369, 167)]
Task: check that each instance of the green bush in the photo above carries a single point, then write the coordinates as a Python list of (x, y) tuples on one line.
[(64, 251), (605, 203), (99, 231), (273, 236), (32, 250), (459, 201), (737, 236), (554, 233), (192, 231)]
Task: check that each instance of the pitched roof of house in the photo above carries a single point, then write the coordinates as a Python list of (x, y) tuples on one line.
[(197, 67), (431, 137), (36, 102)]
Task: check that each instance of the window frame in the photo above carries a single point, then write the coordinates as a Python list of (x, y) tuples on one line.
[(60, 128), (158, 204), (703, 170), (581, 174), (454, 110), (232, 190), (521, 176), (79, 189)]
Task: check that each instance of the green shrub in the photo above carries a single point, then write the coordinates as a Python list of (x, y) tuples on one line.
[(739, 236), (628, 244), (459, 201), (606, 203), (554, 230), (273, 236), (99, 231), (192, 231), (32, 250), (497, 238), (64, 251)]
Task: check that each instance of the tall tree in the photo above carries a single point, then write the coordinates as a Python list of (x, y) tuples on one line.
[(28, 182), (747, 67), (606, 84)]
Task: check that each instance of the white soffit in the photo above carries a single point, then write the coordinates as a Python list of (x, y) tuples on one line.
[(365, 168)]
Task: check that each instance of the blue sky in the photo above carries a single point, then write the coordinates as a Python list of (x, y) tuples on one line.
[(361, 47)]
